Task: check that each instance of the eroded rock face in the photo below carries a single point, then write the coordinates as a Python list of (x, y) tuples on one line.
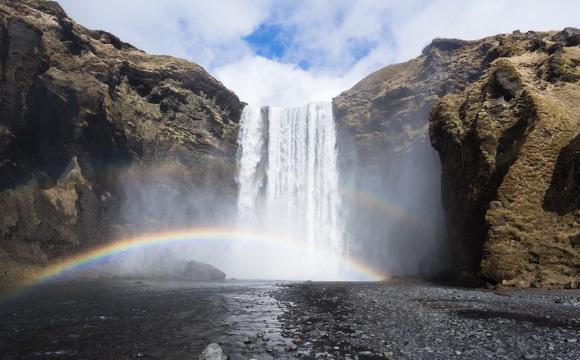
[(504, 119), (509, 148), (84, 118)]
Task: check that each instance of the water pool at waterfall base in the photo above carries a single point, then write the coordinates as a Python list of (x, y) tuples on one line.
[(127, 319)]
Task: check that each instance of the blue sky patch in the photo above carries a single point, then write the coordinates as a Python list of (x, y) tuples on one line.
[(269, 41)]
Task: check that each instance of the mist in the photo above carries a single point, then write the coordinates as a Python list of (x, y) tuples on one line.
[(298, 204), (394, 211), (171, 196)]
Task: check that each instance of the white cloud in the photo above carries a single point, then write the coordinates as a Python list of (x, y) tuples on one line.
[(328, 34), (207, 32), (472, 20), (258, 80)]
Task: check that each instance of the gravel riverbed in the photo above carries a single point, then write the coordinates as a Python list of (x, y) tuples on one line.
[(126, 319), (422, 321)]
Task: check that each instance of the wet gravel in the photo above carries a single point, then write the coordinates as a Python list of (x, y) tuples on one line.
[(421, 321), (123, 319)]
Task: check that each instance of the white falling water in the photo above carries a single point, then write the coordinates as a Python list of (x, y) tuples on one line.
[(288, 181)]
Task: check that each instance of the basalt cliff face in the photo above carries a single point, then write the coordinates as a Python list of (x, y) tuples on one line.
[(504, 115), (87, 124)]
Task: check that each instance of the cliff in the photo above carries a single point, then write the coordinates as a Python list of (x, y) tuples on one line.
[(503, 114), (87, 124), (510, 148)]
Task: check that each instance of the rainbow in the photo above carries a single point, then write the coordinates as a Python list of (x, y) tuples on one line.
[(97, 254), (376, 201)]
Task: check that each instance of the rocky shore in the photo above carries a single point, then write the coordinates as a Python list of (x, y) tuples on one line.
[(422, 321)]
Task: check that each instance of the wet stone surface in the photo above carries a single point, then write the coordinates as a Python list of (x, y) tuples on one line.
[(115, 319)]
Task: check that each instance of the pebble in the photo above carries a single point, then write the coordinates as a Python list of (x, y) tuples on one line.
[(530, 356), (337, 319)]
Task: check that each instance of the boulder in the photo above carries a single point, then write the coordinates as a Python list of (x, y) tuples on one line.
[(212, 352), (202, 272)]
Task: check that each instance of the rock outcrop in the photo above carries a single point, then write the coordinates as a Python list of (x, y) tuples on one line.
[(199, 271), (510, 148), (89, 125), (503, 114)]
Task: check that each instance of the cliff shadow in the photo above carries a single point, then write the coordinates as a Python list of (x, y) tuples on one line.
[(563, 195)]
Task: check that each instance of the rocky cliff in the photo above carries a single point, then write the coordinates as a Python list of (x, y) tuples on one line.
[(503, 114), (510, 148), (89, 125)]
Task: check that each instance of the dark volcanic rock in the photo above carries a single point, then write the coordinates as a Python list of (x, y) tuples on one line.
[(84, 120), (199, 271)]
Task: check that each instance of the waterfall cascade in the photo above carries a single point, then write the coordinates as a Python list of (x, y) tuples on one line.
[(288, 179)]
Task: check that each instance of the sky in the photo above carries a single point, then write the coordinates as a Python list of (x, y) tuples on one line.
[(285, 53)]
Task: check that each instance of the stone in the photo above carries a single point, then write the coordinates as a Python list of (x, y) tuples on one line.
[(212, 352), (291, 347), (530, 356)]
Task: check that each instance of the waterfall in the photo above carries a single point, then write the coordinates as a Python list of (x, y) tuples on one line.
[(288, 179)]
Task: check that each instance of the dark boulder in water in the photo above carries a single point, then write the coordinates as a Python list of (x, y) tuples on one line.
[(199, 271)]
